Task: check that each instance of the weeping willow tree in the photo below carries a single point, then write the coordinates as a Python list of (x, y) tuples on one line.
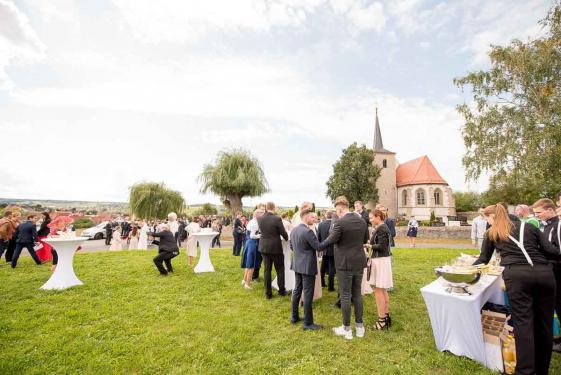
[(234, 175), (151, 200)]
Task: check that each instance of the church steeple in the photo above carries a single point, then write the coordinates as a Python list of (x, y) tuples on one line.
[(378, 143)]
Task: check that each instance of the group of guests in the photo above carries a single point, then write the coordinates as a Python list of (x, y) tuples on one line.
[(529, 248), (17, 234), (343, 242)]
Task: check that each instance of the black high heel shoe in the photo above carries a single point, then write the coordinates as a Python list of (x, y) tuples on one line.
[(381, 324), (389, 320)]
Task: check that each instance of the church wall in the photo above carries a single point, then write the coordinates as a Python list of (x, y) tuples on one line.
[(422, 212), (387, 191)]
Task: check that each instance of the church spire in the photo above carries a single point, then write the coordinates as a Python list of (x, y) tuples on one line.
[(378, 144)]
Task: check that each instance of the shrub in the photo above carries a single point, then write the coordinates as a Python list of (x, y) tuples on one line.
[(83, 223)]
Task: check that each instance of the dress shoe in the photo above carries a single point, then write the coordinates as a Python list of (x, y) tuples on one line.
[(313, 327), (283, 294), (268, 296), (331, 289), (295, 321), (557, 347)]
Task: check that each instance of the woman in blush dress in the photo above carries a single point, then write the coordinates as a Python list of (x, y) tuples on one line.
[(143, 237), (193, 227), (117, 242), (133, 238)]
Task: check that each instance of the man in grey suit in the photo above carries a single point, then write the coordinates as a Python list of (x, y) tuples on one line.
[(270, 246), (305, 244), (349, 234)]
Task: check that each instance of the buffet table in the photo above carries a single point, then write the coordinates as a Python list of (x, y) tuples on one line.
[(456, 319)]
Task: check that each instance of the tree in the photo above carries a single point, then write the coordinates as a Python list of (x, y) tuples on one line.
[(354, 175), (207, 209), (468, 201), (235, 174), (512, 129), (151, 200)]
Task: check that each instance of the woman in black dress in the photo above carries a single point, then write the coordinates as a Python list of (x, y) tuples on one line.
[(530, 285)]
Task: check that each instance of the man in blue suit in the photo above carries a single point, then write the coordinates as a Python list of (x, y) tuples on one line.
[(305, 244), (26, 237)]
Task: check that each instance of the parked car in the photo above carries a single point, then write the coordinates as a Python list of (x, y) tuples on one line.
[(96, 233)]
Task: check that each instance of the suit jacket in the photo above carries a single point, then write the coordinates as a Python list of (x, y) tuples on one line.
[(364, 216), (272, 229), (348, 234), (26, 232), (323, 232), (167, 241), (380, 241), (305, 244)]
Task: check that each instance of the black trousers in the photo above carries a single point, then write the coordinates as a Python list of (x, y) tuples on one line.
[(307, 284), (258, 261), (531, 292), (278, 261), (3, 247), (557, 274), (328, 267), (10, 250), (216, 241), (350, 284), (238, 240), (108, 236), (165, 257), (17, 253), (55, 256)]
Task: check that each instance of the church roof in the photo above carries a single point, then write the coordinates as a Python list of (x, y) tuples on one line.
[(378, 143), (418, 171)]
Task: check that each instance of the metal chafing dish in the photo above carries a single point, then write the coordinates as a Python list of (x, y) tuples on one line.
[(458, 279)]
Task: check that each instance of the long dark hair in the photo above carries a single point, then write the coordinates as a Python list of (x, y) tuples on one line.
[(46, 216)]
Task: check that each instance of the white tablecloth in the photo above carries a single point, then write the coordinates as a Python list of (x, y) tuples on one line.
[(456, 320)]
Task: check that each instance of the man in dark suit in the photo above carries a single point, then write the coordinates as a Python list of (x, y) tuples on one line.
[(359, 210), (305, 244), (26, 237), (108, 232), (328, 261), (270, 246), (349, 234), (167, 249), (238, 232)]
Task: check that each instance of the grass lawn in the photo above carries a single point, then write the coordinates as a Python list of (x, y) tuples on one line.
[(127, 319)]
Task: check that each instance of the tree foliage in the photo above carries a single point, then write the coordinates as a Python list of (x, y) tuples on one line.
[(151, 200), (468, 201), (234, 175), (512, 128), (207, 209), (354, 175)]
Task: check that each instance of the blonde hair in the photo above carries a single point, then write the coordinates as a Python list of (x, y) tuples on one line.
[(341, 200), (544, 203), (500, 230)]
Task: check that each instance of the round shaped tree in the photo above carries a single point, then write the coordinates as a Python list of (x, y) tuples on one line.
[(151, 200), (234, 175)]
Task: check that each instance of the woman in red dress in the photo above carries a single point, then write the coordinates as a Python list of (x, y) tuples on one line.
[(44, 253)]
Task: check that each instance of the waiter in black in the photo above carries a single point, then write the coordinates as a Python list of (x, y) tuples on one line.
[(108, 232), (544, 209), (270, 246), (328, 260), (530, 285), (167, 249)]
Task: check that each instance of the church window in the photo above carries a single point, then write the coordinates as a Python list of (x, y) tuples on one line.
[(384, 163), (438, 197), (404, 198), (420, 197)]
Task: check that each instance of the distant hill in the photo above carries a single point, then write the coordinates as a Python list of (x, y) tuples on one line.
[(64, 204)]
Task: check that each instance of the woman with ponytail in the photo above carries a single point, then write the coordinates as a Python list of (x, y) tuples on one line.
[(530, 285)]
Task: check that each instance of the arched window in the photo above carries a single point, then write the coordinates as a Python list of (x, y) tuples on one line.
[(438, 197), (404, 198), (384, 163), (421, 197)]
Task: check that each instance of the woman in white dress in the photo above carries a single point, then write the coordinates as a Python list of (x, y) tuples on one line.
[(134, 238), (193, 227), (143, 238), (117, 242)]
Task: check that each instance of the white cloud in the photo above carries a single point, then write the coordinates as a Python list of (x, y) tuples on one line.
[(19, 44)]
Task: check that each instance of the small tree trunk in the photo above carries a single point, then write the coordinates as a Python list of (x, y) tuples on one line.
[(235, 205)]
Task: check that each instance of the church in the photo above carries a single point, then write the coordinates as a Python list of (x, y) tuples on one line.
[(414, 188)]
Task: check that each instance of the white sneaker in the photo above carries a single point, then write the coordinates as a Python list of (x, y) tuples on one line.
[(340, 331), (360, 332), (243, 282), (247, 286)]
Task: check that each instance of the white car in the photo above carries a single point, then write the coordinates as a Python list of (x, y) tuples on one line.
[(96, 233)]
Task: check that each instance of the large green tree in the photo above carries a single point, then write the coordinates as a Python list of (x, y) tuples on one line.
[(151, 200), (234, 175), (354, 175), (467, 201), (512, 128)]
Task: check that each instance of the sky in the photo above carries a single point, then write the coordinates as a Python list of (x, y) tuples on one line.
[(98, 95)]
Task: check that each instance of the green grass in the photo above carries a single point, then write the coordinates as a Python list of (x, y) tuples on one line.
[(127, 319)]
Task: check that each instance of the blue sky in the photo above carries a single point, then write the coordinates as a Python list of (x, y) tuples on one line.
[(114, 92)]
